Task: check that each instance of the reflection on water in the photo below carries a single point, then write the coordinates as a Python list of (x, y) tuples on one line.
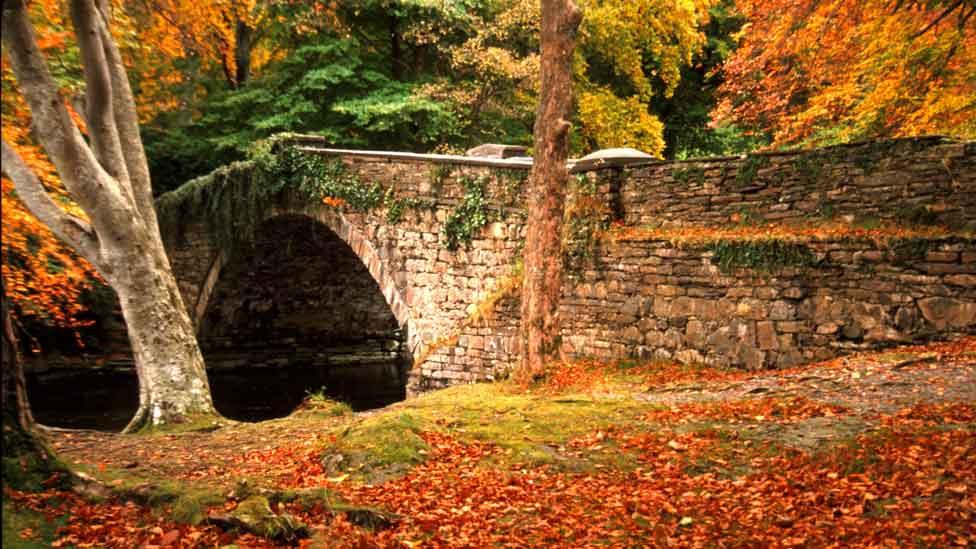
[(85, 398)]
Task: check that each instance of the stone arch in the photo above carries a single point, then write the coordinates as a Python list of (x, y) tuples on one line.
[(360, 245)]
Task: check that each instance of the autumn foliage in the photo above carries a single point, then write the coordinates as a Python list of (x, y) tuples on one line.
[(815, 72), (43, 277)]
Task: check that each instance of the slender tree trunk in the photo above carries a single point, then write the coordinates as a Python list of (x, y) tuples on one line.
[(396, 61), (542, 282), (14, 384), (243, 36)]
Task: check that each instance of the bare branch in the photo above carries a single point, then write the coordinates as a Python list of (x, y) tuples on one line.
[(952, 7), (127, 125), (77, 233)]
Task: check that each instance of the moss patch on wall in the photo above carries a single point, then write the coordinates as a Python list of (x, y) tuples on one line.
[(760, 255)]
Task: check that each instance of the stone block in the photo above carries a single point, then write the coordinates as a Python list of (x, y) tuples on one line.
[(782, 310), (750, 357), (941, 257), (766, 336), (943, 312), (791, 327), (964, 280), (695, 333), (794, 292), (689, 356)]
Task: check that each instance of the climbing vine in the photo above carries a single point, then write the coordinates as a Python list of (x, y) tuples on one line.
[(904, 250), (587, 218), (397, 207), (689, 174), (749, 169), (234, 199), (439, 174), (512, 181), (470, 215), (810, 166)]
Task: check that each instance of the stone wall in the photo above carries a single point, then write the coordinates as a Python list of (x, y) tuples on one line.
[(899, 180), (649, 298)]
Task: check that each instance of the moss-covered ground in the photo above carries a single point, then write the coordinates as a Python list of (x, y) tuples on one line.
[(870, 448)]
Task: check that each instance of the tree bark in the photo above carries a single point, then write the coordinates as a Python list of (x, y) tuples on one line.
[(243, 36), (542, 282), (14, 385), (26, 461), (173, 385), (110, 181)]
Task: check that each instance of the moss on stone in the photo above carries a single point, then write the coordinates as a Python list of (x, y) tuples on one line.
[(255, 515), (760, 255), (749, 170)]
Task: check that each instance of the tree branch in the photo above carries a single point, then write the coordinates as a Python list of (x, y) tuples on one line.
[(98, 91), (77, 233), (58, 134), (127, 125), (938, 19)]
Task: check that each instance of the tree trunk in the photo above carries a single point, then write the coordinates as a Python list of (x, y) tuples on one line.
[(108, 176), (396, 61), (173, 385), (243, 36), (542, 283), (14, 384)]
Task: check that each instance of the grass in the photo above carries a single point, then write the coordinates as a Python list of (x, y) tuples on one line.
[(180, 501), (192, 424), (380, 447), (16, 520), (318, 403), (527, 426)]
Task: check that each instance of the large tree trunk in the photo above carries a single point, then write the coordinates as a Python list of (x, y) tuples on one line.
[(547, 189), (173, 385), (108, 176)]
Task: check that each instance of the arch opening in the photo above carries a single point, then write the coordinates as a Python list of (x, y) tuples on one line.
[(297, 313)]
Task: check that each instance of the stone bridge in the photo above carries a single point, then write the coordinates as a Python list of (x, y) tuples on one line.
[(656, 264)]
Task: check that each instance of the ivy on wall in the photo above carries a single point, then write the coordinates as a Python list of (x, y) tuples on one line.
[(470, 215), (587, 217), (235, 199)]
